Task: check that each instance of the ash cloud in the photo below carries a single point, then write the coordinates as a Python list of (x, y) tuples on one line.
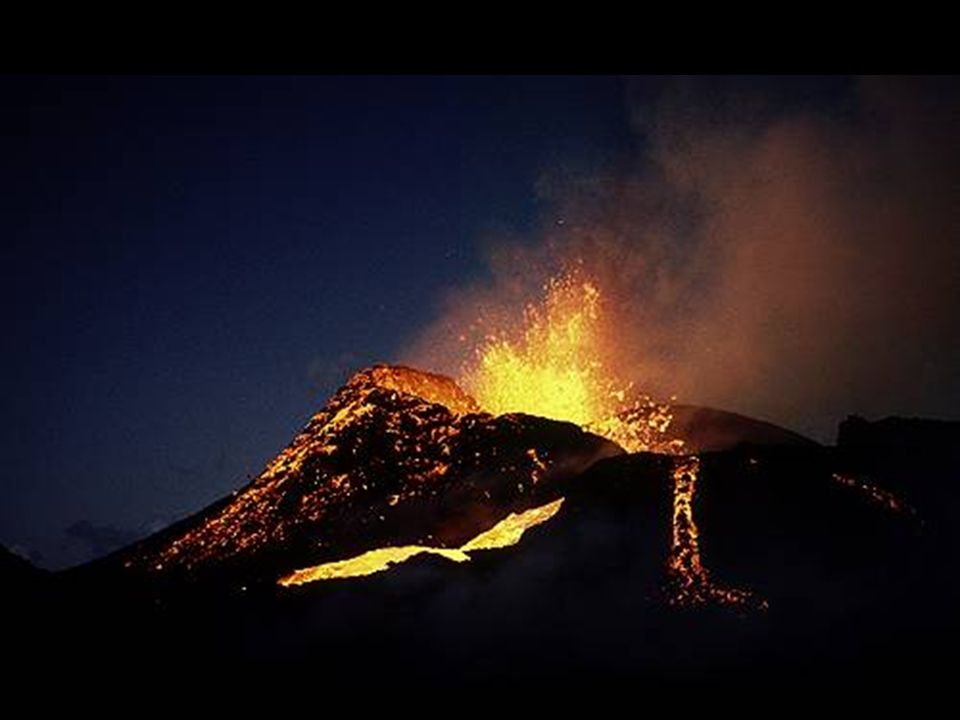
[(791, 261)]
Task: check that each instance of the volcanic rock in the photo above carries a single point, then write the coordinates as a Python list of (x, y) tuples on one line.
[(396, 457)]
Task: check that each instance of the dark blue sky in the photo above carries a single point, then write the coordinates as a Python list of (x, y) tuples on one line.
[(191, 265)]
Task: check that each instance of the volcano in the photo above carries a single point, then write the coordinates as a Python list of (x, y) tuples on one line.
[(406, 531)]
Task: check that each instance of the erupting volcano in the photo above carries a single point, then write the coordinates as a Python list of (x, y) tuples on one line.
[(402, 463)]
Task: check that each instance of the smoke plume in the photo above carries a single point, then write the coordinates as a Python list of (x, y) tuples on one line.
[(788, 261)]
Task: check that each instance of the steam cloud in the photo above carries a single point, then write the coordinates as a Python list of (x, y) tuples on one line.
[(791, 264)]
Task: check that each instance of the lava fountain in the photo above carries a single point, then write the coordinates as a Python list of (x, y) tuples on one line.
[(556, 369)]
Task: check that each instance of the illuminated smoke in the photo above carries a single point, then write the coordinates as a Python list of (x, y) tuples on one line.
[(794, 265)]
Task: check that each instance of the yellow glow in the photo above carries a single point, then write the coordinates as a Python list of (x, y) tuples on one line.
[(691, 583), (507, 532), (430, 387), (367, 564), (555, 370), (684, 563)]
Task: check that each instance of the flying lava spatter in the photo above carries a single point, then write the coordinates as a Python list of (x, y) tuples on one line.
[(557, 369), (505, 533)]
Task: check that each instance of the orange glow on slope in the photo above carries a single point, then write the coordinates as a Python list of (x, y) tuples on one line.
[(556, 370), (255, 518), (368, 563), (691, 584), (507, 532)]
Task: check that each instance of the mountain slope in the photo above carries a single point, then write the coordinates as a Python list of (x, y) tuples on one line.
[(15, 569), (397, 456)]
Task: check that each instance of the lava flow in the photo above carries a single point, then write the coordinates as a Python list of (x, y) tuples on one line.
[(505, 533), (691, 584)]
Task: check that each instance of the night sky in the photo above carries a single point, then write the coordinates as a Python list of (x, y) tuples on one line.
[(192, 265)]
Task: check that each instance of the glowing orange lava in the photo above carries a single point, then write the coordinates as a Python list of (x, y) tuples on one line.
[(507, 532), (691, 584), (556, 370)]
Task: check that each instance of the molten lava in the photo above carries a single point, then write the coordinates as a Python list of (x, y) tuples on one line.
[(556, 370), (507, 532), (691, 584), (372, 561)]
